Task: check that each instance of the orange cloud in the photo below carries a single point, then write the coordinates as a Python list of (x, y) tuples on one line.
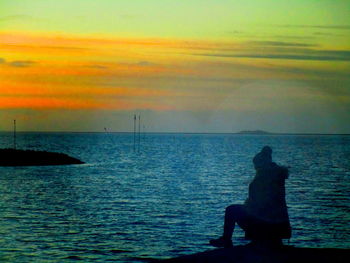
[(12, 102), (45, 71), (8, 88), (84, 43), (48, 95), (47, 103)]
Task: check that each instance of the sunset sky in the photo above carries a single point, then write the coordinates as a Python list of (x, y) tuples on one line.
[(185, 66)]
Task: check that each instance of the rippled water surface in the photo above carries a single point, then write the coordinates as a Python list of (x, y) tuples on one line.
[(163, 198)]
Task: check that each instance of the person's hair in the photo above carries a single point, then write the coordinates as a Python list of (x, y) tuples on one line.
[(263, 158), (266, 150)]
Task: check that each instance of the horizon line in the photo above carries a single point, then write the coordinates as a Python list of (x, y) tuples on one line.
[(160, 132)]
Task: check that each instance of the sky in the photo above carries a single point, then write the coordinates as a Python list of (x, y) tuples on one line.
[(184, 66)]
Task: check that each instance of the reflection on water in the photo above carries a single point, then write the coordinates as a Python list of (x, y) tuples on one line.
[(165, 200)]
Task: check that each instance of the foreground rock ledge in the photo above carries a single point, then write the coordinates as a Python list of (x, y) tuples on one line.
[(251, 254), (14, 157)]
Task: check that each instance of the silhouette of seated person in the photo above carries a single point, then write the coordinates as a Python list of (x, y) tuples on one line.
[(264, 215)]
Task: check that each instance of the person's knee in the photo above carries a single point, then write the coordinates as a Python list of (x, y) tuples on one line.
[(232, 209)]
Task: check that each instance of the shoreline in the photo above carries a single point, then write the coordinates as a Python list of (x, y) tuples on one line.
[(258, 254)]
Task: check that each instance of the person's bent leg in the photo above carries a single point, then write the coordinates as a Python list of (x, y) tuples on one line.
[(233, 214)]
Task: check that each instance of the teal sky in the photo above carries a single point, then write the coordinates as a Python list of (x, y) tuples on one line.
[(167, 18)]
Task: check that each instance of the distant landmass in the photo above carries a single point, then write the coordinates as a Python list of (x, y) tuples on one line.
[(14, 157), (260, 132)]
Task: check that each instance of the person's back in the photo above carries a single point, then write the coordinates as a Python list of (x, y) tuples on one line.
[(266, 199)]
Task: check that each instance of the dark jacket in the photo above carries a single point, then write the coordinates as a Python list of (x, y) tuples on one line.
[(266, 200)]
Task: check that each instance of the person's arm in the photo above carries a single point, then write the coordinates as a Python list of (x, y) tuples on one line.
[(284, 172)]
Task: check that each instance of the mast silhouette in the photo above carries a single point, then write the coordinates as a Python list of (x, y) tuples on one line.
[(139, 131), (134, 130), (14, 134)]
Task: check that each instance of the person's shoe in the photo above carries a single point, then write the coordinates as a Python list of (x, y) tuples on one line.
[(221, 242)]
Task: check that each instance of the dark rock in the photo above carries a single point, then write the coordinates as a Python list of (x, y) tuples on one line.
[(14, 157)]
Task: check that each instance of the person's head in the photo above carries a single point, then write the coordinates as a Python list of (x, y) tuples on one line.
[(263, 158), (266, 150)]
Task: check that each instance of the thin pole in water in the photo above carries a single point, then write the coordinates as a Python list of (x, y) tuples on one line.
[(139, 130), (134, 130), (14, 134)]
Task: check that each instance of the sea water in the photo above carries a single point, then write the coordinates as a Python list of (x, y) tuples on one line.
[(161, 195)]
